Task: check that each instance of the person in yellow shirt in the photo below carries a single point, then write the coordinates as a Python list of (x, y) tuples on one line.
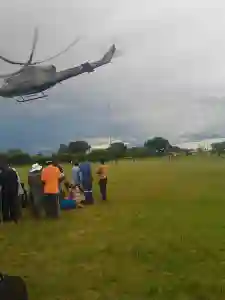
[(103, 179), (51, 178)]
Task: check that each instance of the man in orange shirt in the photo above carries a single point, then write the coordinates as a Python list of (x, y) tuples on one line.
[(102, 173), (51, 178)]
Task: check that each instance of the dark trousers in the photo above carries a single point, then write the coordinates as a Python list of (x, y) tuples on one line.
[(36, 204), (51, 205), (11, 208), (87, 187), (103, 188), (24, 200)]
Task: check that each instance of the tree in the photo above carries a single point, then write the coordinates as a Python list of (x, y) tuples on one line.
[(118, 149), (176, 149), (96, 155), (65, 157), (218, 148), (41, 159), (39, 154), (158, 144), (63, 149), (78, 147), (14, 151), (19, 159), (138, 152), (200, 150)]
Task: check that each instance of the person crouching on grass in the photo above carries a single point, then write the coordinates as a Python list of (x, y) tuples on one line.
[(102, 173), (75, 193), (78, 195)]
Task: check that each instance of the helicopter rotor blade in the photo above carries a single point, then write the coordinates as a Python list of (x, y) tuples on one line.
[(11, 61), (29, 62), (24, 65), (58, 54), (33, 47), (31, 55)]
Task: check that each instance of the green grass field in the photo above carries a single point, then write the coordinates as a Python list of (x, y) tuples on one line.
[(160, 236)]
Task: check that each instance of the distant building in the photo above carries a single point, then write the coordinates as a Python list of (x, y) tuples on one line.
[(105, 146)]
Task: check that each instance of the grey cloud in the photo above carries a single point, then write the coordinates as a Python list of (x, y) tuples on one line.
[(167, 81)]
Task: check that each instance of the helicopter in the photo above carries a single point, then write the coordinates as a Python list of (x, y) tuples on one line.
[(32, 80)]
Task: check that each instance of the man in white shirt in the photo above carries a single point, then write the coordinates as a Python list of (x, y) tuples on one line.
[(76, 174)]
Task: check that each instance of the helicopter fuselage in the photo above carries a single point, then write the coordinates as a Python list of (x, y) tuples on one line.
[(31, 80)]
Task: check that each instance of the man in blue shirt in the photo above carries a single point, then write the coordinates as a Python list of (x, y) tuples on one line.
[(86, 180)]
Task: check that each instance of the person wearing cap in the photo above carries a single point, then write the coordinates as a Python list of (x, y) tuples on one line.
[(35, 190), (51, 178)]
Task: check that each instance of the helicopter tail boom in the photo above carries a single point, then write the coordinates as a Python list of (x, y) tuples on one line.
[(86, 67)]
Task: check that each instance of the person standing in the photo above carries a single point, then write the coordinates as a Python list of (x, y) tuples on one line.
[(62, 175), (20, 189), (9, 193), (102, 173), (51, 178), (76, 175), (86, 180), (35, 189), (20, 193), (24, 197)]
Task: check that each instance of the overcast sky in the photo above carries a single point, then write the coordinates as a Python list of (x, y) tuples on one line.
[(169, 81)]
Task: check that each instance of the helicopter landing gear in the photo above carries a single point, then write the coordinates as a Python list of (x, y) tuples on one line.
[(32, 97)]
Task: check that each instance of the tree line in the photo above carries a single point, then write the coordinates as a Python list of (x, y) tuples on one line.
[(218, 148), (81, 150)]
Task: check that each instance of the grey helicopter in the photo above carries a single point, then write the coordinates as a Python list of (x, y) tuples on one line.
[(32, 80)]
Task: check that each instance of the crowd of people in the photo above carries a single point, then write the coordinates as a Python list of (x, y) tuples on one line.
[(49, 189)]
